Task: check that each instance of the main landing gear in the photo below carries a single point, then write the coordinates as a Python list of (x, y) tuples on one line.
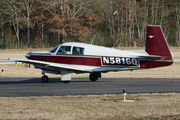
[(94, 76)]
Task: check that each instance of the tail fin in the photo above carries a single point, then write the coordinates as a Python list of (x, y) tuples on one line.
[(156, 43)]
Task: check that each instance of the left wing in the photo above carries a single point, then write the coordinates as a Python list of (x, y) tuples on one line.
[(49, 64)]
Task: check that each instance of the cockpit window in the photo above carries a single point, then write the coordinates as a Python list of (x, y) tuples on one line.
[(64, 50), (54, 49), (78, 50)]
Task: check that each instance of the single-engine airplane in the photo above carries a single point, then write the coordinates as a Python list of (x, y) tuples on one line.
[(72, 57)]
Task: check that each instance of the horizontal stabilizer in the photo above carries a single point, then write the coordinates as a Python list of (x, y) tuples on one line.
[(152, 57)]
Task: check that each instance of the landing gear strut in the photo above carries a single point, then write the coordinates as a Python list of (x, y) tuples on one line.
[(44, 79), (94, 76)]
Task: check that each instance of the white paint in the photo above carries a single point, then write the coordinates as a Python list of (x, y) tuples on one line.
[(151, 36), (104, 51)]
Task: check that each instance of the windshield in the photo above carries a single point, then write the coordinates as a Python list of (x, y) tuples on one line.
[(54, 49)]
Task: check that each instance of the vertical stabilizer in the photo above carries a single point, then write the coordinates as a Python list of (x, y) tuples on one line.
[(156, 43)]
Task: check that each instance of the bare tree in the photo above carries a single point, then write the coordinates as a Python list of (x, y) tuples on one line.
[(24, 9), (4, 17), (176, 20), (13, 12)]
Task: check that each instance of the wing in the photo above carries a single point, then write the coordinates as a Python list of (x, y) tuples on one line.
[(50, 64), (6, 61)]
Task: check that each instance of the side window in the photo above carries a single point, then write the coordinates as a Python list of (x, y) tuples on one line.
[(64, 50), (78, 50)]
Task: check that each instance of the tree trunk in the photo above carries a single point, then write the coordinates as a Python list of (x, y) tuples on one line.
[(28, 30), (2, 24)]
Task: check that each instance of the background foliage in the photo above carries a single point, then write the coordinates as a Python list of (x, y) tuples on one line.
[(30, 23)]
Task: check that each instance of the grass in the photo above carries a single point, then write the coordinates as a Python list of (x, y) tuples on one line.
[(163, 72), (91, 107)]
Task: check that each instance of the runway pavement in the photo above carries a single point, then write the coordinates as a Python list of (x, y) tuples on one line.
[(20, 87)]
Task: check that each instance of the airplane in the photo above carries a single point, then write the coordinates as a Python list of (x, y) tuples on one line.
[(73, 57)]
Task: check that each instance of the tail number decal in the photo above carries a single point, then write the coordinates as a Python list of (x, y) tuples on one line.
[(120, 61)]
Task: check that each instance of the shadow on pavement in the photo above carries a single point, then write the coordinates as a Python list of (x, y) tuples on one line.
[(37, 80)]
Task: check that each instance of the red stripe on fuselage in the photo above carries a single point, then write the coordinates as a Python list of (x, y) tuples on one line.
[(94, 61), (69, 59)]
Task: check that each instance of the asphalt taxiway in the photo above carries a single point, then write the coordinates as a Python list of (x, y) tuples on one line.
[(21, 87)]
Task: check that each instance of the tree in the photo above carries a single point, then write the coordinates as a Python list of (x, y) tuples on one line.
[(4, 17), (68, 22), (13, 12), (176, 20)]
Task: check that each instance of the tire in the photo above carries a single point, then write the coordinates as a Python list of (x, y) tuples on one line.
[(93, 76), (44, 79)]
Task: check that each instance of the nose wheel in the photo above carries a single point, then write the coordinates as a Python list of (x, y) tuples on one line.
[(44, 79)]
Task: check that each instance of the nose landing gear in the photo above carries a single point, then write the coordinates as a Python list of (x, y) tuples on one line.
[(44, 78)]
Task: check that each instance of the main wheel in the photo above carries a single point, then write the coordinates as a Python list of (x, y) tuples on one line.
[(93, 76), (44, 79)]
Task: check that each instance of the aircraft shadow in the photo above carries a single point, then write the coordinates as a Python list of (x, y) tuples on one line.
[(28, 80), (37, 81)]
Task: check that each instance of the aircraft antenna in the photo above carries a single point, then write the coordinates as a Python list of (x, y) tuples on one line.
[(93, 40), (115, 43)]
